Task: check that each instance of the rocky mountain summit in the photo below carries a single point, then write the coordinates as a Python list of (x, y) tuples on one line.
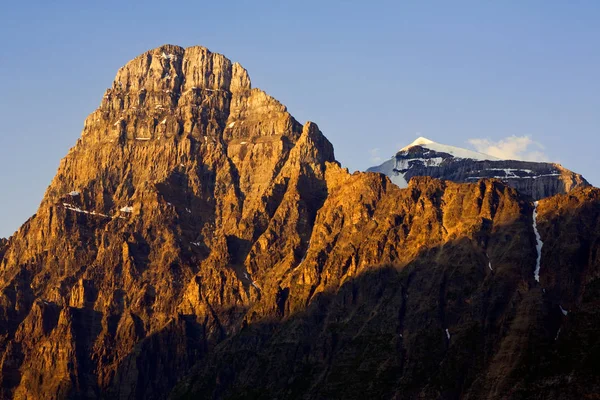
[(424, 157), (199, 242)]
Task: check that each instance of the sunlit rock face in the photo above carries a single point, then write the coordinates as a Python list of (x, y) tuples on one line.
[(199, 242)]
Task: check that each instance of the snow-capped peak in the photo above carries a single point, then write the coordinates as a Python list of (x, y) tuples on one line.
[(452, 150), (421, 141)]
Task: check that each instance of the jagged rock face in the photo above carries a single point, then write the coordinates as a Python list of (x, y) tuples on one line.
[(452, 311), (197, 237), (180, 174), (3, 246), (536, 179)]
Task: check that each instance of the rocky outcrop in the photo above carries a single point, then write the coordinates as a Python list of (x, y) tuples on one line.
[(426, 158), (142, 240), (199, 242), (426, 292), (3, 246)]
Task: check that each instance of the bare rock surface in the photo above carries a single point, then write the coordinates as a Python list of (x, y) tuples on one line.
[(199, 242)]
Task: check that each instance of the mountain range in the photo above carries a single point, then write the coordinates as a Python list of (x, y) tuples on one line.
[(424, 157), (199, 242)]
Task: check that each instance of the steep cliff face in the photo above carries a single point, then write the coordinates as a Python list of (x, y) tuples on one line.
[(3, 246), (142, 239), (427, 292), (426, 158), (197, 237)]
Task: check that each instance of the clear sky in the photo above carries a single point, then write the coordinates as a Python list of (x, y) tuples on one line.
[(522, 76)]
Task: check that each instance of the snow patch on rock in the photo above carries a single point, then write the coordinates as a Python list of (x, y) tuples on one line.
[(171, 57), (452, 150), (389, 168)]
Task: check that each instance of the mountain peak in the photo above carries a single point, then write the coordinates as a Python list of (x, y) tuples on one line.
[(424, 157), (453, 151), (197, 222), (418, 142), (174, 70)]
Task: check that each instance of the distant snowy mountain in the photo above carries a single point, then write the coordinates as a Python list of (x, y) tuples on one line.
[(452, 150), (424, 157)]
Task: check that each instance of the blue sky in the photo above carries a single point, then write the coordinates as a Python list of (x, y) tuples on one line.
[(373, 75)]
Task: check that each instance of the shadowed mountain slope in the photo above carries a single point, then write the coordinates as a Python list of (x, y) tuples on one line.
[(199, 242)]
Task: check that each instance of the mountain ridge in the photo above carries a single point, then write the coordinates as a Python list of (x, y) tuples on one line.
[(457, 152), (428, 158), (226, 253)]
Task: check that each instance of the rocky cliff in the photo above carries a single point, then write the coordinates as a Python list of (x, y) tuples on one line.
[(198, 242), (424, 157)]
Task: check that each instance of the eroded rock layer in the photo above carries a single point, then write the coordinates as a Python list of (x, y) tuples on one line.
[(199, 242)]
